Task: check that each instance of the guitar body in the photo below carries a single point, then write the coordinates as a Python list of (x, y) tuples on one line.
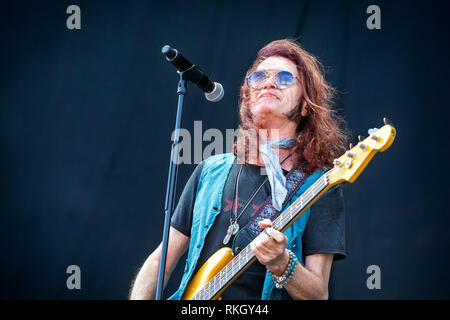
[(209, 269)]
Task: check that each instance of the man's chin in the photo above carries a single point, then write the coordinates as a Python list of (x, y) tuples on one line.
[(268, 120), (266, 113)]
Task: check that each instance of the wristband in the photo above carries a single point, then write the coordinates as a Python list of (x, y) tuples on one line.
[(281, 281)]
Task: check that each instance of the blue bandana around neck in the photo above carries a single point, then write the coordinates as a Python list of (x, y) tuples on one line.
[(275, 174)]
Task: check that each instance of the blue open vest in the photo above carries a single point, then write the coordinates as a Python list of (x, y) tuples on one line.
[(207, 206)]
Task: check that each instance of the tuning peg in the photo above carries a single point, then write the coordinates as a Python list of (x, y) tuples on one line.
[(372, 134), (362, 146), (372, 131), (361, 138), (387, 122), (337, 162)]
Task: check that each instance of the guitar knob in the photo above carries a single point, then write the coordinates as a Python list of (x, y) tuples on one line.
[(337, 162)]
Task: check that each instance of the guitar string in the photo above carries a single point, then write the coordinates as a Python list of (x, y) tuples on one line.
[(319, 184), (231, 269), (223, 275), (329, 174), (278, 223)]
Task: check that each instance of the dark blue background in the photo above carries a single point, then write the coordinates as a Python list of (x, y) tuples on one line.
[(86, 117)]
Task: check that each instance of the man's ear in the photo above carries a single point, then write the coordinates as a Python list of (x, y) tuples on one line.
[(305, 109)]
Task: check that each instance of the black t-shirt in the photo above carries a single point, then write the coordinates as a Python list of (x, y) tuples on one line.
[(324, 232)]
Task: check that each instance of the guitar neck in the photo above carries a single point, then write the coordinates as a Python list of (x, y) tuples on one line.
[(246, 257)]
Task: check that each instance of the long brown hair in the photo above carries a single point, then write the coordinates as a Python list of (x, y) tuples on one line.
[(321, 135)]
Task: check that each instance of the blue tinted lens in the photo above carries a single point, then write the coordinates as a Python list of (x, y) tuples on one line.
[(256, 79), (284, 79)]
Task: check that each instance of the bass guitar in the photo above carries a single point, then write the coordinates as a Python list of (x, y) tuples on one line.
[(222, 268)]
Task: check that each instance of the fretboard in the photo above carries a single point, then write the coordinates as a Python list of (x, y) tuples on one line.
[(246, 257)]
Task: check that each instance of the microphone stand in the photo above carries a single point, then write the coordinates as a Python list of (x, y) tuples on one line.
[(171, 180)]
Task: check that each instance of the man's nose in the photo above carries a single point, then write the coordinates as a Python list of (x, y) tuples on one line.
[(269, 83)]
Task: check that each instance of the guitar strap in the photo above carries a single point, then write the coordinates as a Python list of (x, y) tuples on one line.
[(294, 181)]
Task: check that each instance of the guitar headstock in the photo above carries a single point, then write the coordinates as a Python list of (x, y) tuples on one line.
[(349, 166)]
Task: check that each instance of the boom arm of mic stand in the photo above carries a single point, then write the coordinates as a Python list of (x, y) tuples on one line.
[(171, 185)]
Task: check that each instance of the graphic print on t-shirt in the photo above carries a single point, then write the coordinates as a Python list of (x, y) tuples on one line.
[(256, 208), (231, 204)]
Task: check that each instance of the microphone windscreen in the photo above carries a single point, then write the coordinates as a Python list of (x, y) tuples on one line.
[(217, 94), (169, 52)]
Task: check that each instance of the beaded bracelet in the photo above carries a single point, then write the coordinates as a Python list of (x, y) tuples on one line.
[(281, 281)]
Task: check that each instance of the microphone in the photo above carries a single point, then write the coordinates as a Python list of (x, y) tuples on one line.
[(213, 90)]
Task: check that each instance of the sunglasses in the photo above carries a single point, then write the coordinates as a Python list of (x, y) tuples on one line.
[(282, 79)]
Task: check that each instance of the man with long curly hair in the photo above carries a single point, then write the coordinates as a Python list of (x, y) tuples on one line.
[(288, 127)]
